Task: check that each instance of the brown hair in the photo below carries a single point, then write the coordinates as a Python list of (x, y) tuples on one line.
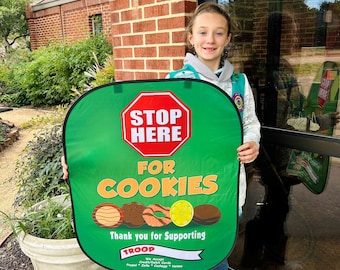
[(208, 7)]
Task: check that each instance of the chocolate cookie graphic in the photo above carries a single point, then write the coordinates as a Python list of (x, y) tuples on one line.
[(107, 215), (133, 214), (206, 214)]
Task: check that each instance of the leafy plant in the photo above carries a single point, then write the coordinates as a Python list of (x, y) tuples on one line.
[(39, 174), (38, 170), (100, 75), (80, 58), (47, 76), (52, 220), (12, 72), (46, 80)]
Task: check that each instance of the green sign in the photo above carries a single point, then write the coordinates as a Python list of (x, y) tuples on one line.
[(312, 168), (153, 173)]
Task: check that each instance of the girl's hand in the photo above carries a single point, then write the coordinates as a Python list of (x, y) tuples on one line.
[(247, 152), (65, 168)]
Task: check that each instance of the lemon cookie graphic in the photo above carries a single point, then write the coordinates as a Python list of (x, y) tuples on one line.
[(181, 213)]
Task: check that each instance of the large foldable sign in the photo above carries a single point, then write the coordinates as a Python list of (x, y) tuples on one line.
[(153, 174)]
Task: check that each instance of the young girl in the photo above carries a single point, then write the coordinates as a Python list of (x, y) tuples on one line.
[(208, 34)]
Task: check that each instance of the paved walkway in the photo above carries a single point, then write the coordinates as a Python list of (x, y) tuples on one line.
[(8, 157)]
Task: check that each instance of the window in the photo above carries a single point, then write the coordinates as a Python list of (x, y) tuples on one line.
[(96, 24)]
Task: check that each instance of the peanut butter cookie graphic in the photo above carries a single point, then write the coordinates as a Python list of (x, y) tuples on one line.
[(156, 215), (206, 214), (133, 214), (108, 215)]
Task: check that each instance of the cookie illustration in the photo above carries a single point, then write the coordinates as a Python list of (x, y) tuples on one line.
[(206, 214), (181, 213), (133, 214), (107, 215), (156, 215)]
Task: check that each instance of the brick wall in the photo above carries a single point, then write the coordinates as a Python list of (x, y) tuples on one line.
[(148, 37), (68, 22)]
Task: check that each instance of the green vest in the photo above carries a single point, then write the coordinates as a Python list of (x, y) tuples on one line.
[(237, 80)]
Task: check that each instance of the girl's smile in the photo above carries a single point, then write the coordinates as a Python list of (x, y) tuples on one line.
[(209, 37)]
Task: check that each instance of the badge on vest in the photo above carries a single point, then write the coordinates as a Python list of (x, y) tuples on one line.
[(238, 100)]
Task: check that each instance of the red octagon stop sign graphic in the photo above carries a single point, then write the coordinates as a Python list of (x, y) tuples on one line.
[(156, 124)]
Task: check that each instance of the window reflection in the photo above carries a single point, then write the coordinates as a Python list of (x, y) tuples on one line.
[(290, 51)]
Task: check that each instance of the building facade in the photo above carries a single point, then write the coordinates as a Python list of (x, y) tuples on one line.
[(147, 35)]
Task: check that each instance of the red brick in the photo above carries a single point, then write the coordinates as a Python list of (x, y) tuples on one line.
[(159, 38), (116, 41), (133, 64), (130, 15), (145, 2), (123, 75), (132, 40), (156, 11), (147, 75), (171, 51), (158, 64), (145, 52), (177, 64), (120, 29), (183, 7), (178, 36), (119, 4), (122, 52), (144, 26), (171, 23), (115, 17), (118, 63)]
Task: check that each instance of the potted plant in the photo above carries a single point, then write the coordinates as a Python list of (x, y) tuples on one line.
[(46, 236), (44, 229)]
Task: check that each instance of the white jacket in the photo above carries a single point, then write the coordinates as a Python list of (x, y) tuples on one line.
[(251, 125)]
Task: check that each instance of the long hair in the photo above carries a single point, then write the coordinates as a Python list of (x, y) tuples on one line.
[(208, 7)]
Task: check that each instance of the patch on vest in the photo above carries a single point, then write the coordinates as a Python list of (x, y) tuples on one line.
[(238, 100)]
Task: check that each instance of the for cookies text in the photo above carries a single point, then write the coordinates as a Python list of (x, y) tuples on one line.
[(151, 186)]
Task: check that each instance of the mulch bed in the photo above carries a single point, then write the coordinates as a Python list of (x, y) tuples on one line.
[(11, 256)]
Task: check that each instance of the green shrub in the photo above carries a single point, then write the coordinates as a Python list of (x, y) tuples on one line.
[(48, 75), (39, 177), (83, 55), (38, 171), (46, 80), (12, 72), (100, 75)]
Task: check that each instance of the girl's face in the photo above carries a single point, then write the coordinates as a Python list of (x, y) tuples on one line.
[(209, 37)]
